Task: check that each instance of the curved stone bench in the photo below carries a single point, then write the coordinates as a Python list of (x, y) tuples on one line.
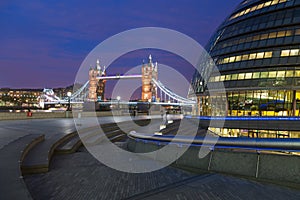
[(38, 159), (11, 156)]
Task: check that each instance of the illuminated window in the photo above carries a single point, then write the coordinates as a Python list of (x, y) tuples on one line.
[(222, 78), (248, 75), (260, 6), (281, 34), (264, 74), (257, 37), (241, 76), (268, 54), (285, 53), (280, 74), (260, 55), (297, 73), (256, 75), (226, 60), (294, 52), (297, 32), (234, 77), (217, 78), (289, 74), (267, 3), (272, 35), (252, 56), (238, 58), (245, 57), (288, 33), (272, 74), (264, 36), (232, 59), (228, 77)]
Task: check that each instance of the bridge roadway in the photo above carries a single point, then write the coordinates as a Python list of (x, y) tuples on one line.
[(80, 176)]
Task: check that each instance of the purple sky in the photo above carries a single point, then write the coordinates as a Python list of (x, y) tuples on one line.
[(43, 43)]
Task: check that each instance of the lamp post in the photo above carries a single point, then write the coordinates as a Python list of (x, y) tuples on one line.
[(69, 94), (119, 98)]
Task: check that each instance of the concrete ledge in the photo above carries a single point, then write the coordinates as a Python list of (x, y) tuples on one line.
[(270, 167), (239, 163), (279, 167), (191, 159)]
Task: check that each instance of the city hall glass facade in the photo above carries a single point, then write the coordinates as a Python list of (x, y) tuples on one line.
[(257, 53)]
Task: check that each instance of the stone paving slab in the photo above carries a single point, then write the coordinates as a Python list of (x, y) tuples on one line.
[(11, 181), (80, 176)]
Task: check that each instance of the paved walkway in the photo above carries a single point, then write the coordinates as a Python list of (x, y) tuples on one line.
[(80, 176)]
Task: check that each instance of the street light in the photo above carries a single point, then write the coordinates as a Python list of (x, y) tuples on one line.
[(69, 94)]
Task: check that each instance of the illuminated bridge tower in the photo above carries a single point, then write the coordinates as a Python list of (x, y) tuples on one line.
[(96, 87), (149, 90)]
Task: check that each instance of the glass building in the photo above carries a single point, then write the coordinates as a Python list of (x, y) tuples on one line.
[(257, 54)]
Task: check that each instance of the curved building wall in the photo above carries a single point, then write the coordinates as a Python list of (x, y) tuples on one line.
[(257, 52)]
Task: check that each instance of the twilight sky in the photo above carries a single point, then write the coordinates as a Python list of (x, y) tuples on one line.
[(43, 43)]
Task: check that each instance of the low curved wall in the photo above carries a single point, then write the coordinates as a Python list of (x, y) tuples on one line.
[(264, 166)]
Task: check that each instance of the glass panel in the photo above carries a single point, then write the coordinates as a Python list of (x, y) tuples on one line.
[(265, 36), (268, 54), (281, 34), (226, 60), (285, 53), (280, 74), (297, 32), (252, 56), (294, 52), (245, 57), (272, 74), (232, 59), (228, 77), (234, 77), (260, 55), (241, 76), (264, 74), (297, 73), (238, 58), (272, 35), (248, 75), (288, 33), (256, 74), (222, 78), (289, 74)]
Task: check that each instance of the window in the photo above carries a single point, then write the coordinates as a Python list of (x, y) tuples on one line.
[(294, 52), (272, 74), (280, 74), (289, 74), (252, 56), (260, 55), (285, 53), (232, 59), (268, 54), (256, 75), (245, 57), (297, 73), (228, 77), (264, 74), (222, 78), (281, 34), (272, 35), (238, 58), (248, 75), (234, 77), (241, 76)]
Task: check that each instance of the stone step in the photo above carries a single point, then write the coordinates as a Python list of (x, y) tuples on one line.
[(11, 156), (69, 146), (38, 159)]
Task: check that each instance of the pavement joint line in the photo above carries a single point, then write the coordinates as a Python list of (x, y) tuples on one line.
[(167, 187)]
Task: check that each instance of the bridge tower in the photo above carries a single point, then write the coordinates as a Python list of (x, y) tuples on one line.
[(149, 90), (96, 87)]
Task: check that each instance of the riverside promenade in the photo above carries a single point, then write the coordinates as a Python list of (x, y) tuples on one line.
[(78, 175)]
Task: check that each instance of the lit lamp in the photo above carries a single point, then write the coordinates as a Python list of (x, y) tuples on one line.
[(69, 94)]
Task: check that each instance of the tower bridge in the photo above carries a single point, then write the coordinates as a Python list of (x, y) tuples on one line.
[(94, 89)]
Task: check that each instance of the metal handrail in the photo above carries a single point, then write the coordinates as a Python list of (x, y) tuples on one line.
[(281, 144)]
